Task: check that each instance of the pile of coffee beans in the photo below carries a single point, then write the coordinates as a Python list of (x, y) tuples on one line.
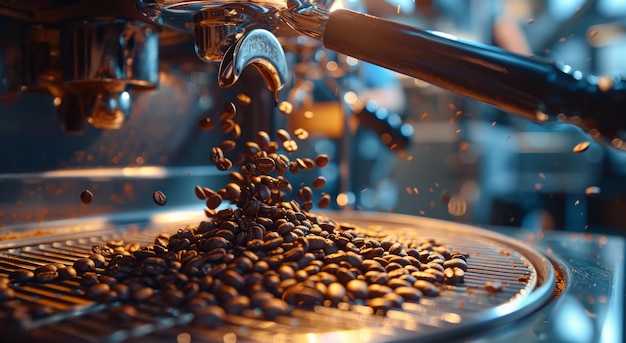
[(260, 252)]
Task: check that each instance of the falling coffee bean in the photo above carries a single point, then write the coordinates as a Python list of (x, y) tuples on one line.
[(159, 198), (86, 197)]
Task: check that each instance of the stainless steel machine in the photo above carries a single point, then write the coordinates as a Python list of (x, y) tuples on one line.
[(108, 98)]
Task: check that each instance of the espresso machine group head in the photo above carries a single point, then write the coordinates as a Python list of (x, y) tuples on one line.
[(90, 56)]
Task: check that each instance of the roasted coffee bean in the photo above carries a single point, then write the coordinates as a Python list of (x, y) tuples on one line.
[(234, 279), (301, 133), (237, 304), (66, 273), (84, 265), (265, 165), (115, 243), (213, 201), (432, 265), (21, 275), (393, 266), (46, 268), (142, 294), (230, 110), (263, 139), (199, 192), (283, 135), (46, 275), (89, 280), (380, 304), (122, 290), (454, 275), (154, 265), (321, 160), (319, 182), (408, 293), (228, 145), (227, 125), (335, 292), (455, 263), (173, 297), (159, 198), (97, 291), (427, 288), (6, 293), (86, 197), (395, 299), (324, 201), (273, 308), (209, 316), (123, 313), (398, 282), (98, 260), (290, 146), (378, 290), (233, 190), (206, 124), (425, 276), (357, 289), (217, 154)]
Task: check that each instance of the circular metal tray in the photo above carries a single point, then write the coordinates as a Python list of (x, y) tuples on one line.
[(527, 276)]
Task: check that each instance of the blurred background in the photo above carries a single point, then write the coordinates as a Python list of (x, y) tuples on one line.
[(413, 148)]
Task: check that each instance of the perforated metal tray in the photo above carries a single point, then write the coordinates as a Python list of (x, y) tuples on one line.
[(527, 276)]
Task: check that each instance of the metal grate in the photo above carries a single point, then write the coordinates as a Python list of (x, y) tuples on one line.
[(527, 278)]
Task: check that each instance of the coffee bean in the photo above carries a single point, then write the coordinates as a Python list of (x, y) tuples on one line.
[(173, 297), (335, 292), (324, 201), (86, 197), (454, 275), (408, 293), (213, 201), (432, 265), (97, 291), (380, 304), (66, 273), (228, 145), (265, 165), (123, 313), (273, 308), (301, 133), (159, 198), (206, 124), (209, 316), (378, 290), (217, 154), (427, 288), (154, 265), (84, 265), (230, 109), (227, 125), (290, 146), (21, 275), (455, 263), (237, 304), (142, 294), (6, 293), (319, 182), (357, 289), (321, 160), (283, 135)]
